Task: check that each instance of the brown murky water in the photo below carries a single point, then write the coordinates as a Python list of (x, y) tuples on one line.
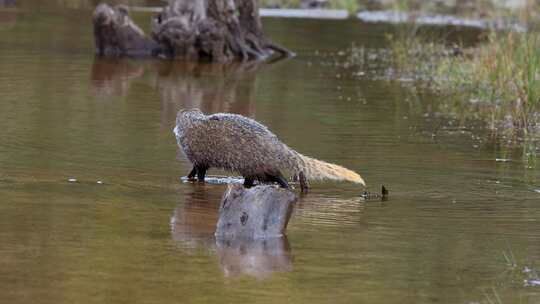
[(142, 236)]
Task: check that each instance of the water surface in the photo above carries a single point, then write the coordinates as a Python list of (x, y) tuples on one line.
[(144, 236)]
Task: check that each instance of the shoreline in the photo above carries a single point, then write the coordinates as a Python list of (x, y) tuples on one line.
[(379, 16)]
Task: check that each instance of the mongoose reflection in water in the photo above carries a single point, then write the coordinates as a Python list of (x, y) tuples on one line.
[(237, 143)]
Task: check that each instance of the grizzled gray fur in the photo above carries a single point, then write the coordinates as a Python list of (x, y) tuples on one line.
[(240, 144)]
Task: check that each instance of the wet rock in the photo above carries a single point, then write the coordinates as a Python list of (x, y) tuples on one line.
[(254, 213)]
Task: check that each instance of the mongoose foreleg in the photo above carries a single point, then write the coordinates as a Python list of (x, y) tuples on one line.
[(200, 171), (191, 175)]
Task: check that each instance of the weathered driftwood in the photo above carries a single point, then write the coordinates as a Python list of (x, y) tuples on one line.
[(194, 30), (254, 213)]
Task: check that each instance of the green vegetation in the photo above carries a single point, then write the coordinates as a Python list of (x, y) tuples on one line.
[(350, 5), (502, 74)]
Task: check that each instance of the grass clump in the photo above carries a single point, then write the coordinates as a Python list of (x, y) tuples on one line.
[(501, 74), (350, 5)]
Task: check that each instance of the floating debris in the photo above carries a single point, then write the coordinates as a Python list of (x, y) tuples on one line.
[(99, 182), (503, 160), (72, 180), (366, 195), (537, 190)]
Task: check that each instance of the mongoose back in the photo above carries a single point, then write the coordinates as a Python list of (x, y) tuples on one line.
[(237, 143)]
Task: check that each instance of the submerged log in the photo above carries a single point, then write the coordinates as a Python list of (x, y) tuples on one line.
[(193, 30), (254, 213)]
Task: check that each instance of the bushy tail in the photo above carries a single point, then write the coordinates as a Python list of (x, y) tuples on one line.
[(315, 169)]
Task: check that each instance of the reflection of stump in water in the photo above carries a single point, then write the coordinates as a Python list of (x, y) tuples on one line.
[(194, 222), (114, 76), (192, 30), (211, 87), (7, 3), (8, 14), (257, 258)]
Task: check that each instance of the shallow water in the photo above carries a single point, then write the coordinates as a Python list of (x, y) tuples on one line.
[(144, 236)]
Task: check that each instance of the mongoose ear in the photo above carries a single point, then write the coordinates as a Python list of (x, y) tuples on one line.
[(122, 8)]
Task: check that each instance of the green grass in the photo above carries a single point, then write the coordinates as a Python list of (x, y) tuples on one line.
[(501, 74)]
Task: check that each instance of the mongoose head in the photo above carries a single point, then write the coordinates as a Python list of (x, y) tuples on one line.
[(186, 118), (103, 15), (190, 111)]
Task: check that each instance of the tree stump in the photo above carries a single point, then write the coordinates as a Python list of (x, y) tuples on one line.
[(115, 34), (254, 213), (193, 30)]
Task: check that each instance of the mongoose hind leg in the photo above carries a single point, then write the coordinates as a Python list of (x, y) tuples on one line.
[(304, 184), (191, 175), (201, 173), (248, 182)]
